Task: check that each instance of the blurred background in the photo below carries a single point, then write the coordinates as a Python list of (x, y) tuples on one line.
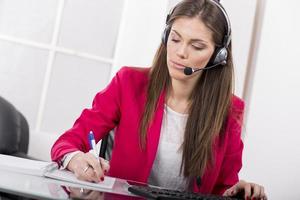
[(56, 54)]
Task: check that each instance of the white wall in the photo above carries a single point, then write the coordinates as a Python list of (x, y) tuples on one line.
[(272, 139), (54, 56), (140, 33)]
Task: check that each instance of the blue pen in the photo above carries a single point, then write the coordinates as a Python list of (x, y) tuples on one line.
[(93, 144)]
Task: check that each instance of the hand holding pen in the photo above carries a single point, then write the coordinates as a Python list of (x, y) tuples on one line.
[(88, 166), (94, 150)]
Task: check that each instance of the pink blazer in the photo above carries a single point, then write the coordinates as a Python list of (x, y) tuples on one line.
[(121, 105)]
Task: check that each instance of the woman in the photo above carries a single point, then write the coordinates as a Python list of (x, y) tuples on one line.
[(177, 124)]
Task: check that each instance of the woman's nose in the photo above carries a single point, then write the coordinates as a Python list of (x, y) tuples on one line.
[(182, 51)]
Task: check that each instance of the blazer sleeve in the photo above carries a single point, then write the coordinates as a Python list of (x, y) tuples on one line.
[(101, 118), (232, 161)]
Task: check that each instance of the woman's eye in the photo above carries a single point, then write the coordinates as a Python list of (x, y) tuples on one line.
[(174, 40), (197, 48)]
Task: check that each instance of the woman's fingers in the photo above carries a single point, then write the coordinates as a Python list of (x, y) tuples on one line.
[(240, 186), (95, 165), (263, 194), (233, 190), (104, 164), (228, 193), (251, 190), (247, 190), (87, 167), (78, 165), (90, 175), (256, 191)]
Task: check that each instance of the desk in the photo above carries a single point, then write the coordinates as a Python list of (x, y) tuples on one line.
[(35, 187)]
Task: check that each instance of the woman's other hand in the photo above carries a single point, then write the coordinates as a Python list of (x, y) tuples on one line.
[(87, 167), (250, 190)]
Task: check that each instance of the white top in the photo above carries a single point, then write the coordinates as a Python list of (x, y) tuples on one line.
[(166, 167)]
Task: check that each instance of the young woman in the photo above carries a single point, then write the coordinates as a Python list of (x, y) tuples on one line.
[(177, 124)]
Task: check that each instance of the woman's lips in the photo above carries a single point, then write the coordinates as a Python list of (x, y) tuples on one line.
[(178, 66)]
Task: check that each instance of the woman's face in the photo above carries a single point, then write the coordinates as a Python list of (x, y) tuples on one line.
[(189, 44)]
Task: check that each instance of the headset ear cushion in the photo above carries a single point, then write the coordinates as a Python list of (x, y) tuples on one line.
[(219, 56), (165, 35)]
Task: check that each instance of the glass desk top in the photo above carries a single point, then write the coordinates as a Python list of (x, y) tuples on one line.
[(36, 187)]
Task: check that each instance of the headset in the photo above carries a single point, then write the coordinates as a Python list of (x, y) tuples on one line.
[(220, 54)]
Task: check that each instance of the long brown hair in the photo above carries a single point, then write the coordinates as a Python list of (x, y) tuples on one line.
[(210, 98)]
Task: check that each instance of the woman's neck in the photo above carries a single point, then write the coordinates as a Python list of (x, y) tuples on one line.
[(179, 94)]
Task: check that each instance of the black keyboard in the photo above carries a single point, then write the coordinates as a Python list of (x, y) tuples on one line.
[(166, 194)]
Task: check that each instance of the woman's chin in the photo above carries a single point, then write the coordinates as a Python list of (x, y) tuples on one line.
[(177, 74)]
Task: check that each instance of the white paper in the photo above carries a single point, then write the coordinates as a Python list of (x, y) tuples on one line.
[(68, 176), (22, 165)]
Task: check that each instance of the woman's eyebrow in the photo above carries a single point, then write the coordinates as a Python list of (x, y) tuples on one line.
[(193, 40)]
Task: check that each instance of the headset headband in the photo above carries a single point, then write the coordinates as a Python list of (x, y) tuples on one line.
[(227, 37)]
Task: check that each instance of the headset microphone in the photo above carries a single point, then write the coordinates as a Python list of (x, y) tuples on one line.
[(189, 70)]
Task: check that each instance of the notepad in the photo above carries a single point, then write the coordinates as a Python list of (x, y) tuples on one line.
[(48, 169)]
